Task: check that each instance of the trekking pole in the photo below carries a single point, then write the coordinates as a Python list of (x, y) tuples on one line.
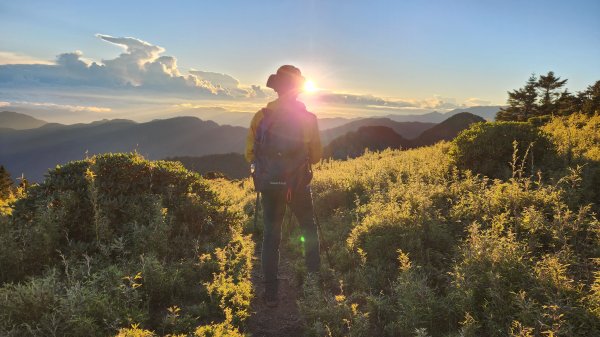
[(256, 205), (322, 240), (288, 227)]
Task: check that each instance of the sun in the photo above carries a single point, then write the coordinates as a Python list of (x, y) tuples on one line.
[(309, 86)]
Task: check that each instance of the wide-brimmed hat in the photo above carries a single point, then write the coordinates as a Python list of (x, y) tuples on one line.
[(286, 79)]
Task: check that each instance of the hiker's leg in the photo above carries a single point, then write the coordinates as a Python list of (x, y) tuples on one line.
[(302, 207), (273, 203)]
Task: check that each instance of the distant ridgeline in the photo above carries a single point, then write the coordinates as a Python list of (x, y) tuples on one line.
[(34, 151), (17, 121), (202, 146), (375, 138)]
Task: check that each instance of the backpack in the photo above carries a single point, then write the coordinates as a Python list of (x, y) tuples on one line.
[(281, 154)]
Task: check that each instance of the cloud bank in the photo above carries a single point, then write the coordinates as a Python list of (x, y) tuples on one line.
[(143, 82), (434, 103), (141, 66), (7, 57)]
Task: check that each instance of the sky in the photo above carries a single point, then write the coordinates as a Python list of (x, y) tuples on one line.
[(75, 61)]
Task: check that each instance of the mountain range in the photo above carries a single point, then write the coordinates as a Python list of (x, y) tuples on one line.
[(446, 130), (32, 150), (377, 137), (408, 130), (372, 137), (19, 121), (486, 112), (235, 118)]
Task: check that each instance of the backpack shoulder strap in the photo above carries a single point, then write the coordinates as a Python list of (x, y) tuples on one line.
[(264, 125)]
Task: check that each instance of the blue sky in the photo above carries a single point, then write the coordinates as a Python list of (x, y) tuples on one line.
[(418, 51)]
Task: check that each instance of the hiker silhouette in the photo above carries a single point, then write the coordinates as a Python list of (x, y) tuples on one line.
[(283, 142)]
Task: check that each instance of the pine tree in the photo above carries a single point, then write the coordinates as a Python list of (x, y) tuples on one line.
[(6, 183), (521, 102), (567, 103), (549, 86), (590, 99)]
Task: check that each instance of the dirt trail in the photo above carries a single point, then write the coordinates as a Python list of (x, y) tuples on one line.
[(283, 320)]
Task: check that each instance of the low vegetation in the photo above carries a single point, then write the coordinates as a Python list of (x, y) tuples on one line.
[(119, 243), (432, 246), (493, 234)]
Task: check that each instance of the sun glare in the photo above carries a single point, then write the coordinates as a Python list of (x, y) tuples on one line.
[(309, 86)]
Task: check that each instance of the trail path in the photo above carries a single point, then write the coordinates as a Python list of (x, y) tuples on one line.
[(283, 320)]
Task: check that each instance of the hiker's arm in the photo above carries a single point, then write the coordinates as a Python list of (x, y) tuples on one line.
[(250, 137), (315, 149)]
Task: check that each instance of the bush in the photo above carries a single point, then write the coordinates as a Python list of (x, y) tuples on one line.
[(116, 240), (577, 138), (489, 149), (478, 256)]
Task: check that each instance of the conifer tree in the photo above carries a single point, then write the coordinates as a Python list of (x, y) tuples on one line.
[(521, 102), (549, 86), (567, 103), (590, 99)]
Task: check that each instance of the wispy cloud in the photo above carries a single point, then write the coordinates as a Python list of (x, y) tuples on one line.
[(434, 103), (473, 101), (54, 106), (7, 57)]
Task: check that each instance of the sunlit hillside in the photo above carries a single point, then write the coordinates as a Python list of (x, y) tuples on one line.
[(415, 246), (414, 243), (115, 242)]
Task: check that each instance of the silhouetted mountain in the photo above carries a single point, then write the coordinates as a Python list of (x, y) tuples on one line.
[(33, 151), (19, 121), (447, 129), (232, 165), (220, 115), (487, 112), (236, 118), (408, 130), (354, 143), (334, 122)]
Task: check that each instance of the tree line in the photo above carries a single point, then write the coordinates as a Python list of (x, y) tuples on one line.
[(546, 96)]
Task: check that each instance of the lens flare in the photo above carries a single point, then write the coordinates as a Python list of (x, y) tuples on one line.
[(309, 86)]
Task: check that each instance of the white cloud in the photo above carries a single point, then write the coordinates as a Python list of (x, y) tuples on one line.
[(230, 84), (7, 57), (436, 102), (473, 101), (217, 79), (54, 106), (141, 66)]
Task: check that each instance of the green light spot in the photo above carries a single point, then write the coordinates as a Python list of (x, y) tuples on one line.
[(302, 239)]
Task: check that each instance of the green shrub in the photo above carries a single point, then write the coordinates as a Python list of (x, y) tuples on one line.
[(577, 138), (411, 305), (503, 150), (487, 257), (115, 240), (333, 315)]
